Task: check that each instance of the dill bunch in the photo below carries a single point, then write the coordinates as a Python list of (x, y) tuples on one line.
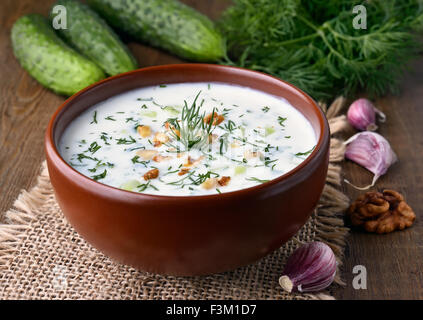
[(312, 43)]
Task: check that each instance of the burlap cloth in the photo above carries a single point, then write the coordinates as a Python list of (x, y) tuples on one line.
[(42, 257)]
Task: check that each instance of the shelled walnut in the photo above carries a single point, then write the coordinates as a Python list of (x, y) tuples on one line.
[(381, 212)]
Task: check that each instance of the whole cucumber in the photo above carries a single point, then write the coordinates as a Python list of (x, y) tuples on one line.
[(48, 59), (91, 36), (167, 24)]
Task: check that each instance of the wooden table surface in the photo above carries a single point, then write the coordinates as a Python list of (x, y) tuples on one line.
[(394, 262)]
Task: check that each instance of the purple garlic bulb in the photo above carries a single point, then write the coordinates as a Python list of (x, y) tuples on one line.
[(312, 267), (362, 115), (372, 151)]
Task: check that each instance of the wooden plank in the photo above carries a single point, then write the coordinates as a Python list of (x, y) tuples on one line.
[(393, 261)]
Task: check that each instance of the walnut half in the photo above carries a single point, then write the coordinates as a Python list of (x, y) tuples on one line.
[(381, 212)]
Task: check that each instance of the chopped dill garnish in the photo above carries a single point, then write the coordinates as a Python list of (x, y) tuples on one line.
[(77, 164), (94, 118), (267, 148), (126, 141), (230, 126), (281, 121), (145, 99), (83, 156), (100, 176), (300, 154), (135, 148), (156, 104), (191, 179), (267, 161), (170, 172), (105, 138), (144, 186), (223, 140), (100, 164), (265, 109), (225, 111), (136, 160), (202, 177), (162, 86), (110, 118), (181, 181), (94, 147), (129, 119), (256, 180)]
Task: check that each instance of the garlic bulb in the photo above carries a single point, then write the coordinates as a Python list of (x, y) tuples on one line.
[(312, 267), (362, 115), (372, 151)]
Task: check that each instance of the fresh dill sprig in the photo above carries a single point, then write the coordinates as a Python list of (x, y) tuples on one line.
[(314, 45), (190, 129)]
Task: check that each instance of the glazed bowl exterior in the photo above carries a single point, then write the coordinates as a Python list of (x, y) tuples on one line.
[(188, 235)]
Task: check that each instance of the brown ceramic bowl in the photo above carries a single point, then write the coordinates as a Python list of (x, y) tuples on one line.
[(190, 235)]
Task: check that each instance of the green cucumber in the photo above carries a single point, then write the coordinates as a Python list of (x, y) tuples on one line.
[(48, 59), (91, 36), (166, 24), (130, 185)]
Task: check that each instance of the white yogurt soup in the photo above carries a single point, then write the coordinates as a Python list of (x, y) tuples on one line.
[(188, 139)]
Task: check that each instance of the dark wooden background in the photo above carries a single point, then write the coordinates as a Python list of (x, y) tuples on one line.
[(394, 262)]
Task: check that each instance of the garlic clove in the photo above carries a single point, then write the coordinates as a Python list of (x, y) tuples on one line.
[(312, 267), (362, 115), (371, 151)]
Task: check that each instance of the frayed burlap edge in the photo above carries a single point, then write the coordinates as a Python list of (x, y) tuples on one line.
[(329, 222)]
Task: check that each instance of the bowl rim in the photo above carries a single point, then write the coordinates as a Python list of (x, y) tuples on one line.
[(50, 145)]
